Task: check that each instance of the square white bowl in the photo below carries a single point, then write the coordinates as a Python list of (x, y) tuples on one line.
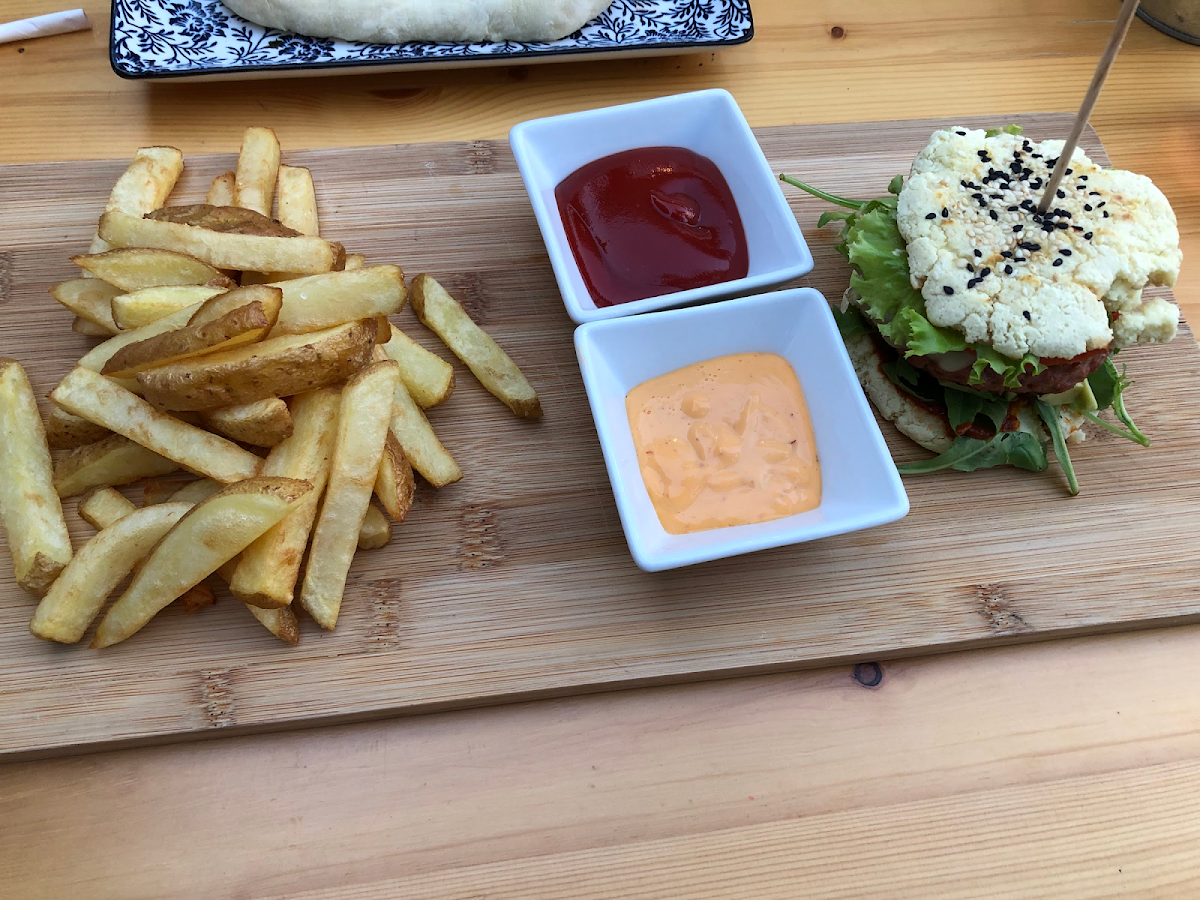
[(860, 487), (706, 122)]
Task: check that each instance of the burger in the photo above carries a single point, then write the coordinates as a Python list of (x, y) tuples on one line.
[(985, 330)]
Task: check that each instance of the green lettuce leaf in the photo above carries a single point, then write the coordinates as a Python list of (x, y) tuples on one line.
[(871, 240)]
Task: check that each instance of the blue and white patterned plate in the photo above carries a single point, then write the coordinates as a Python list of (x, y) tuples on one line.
[(180, 38)]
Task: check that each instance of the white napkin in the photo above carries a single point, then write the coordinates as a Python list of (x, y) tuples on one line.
[(43, 26)]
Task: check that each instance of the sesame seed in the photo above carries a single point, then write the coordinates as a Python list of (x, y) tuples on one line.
[(1030, 246), (1007, 254), (961, 133), (1083, 178), (970, 268), (931, 216), (1060, 193), (1087, 207), (985, 272), (1017, 229), (973, 282), (1065, 252), (1077, 228), (947, 289), (977, 196), (1088, 236), (1106, 213), (977, 254), (1028, 317), (1069, 171), (1013, 208), (1093, 193), (1101, 204), (1057, 262), (945, 213), (1018, 259), (1008, 270), (995, 215), (1063, 226)]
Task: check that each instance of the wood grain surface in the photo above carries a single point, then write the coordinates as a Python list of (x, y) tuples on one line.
[(930, 783), (517, 581)]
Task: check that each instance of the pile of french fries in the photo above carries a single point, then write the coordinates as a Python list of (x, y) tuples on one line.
[(226, 329)]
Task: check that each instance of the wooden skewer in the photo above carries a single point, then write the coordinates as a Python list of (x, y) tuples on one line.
[(1120, 29)]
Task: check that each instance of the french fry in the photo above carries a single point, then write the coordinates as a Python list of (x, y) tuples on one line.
[(277, 367), (491, 365), (428, 377), (280, 622), (322, 301), (414, 433), (376, 530), (225, 250), (155, 491), (212, 533), (361, 434), (395, 485), (266, 575), (75, 599), (88, 329), (263, 423), (98, 400), (144, 186), (139, 308), (354, 261), (108, 463), (297, 200), (224, 322), (90, 299), (257, 170), (66, 432), (196, 491), (101, 507), (29, 506), (96, 358), (135, 268), (220, 192)]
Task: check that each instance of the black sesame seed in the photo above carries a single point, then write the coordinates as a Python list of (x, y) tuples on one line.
[(983, 154), (964, 183), (1100, 205), (1036, 155), (1060, 193), (996, 196), (1088, 236), (945, 213), (977, 196), (1013, 208), (1106, 213), (995, 215), (1008, 270), (1018, 259), (1025, 173), (1093, 193), (1057, 262), (985, 272), (978, 255), (973, 282), (1062, 226), (947, 289), (1027, 204), (1087, 207), (1030, 246), (1077, 228), (1069, 171), (931, 216), (961, 133), (1052, 162), (970, 268), (1083, 178), (1017, 229), (1007, 254), (1028, 317)]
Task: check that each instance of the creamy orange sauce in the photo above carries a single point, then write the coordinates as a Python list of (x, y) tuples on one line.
[(725, 442)]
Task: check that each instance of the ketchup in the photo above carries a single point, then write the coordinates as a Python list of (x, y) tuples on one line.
[(651, 221)]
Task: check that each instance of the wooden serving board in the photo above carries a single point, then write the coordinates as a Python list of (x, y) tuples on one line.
[(517, 582)]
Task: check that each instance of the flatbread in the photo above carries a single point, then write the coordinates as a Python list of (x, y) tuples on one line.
[(397, 21)]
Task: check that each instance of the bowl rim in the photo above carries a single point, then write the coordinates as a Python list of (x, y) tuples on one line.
[(770, 203), (887, 506)]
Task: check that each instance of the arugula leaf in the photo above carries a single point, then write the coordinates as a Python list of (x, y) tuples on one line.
[(961, 409), (1050, 416), (902, 374), (849, 322), (1108, 385), (1017, 448), (832, 198)]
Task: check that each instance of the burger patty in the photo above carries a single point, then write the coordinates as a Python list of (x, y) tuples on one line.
[(1058, 375)]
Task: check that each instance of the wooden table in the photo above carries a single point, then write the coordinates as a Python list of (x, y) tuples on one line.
[(1069, 769)]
